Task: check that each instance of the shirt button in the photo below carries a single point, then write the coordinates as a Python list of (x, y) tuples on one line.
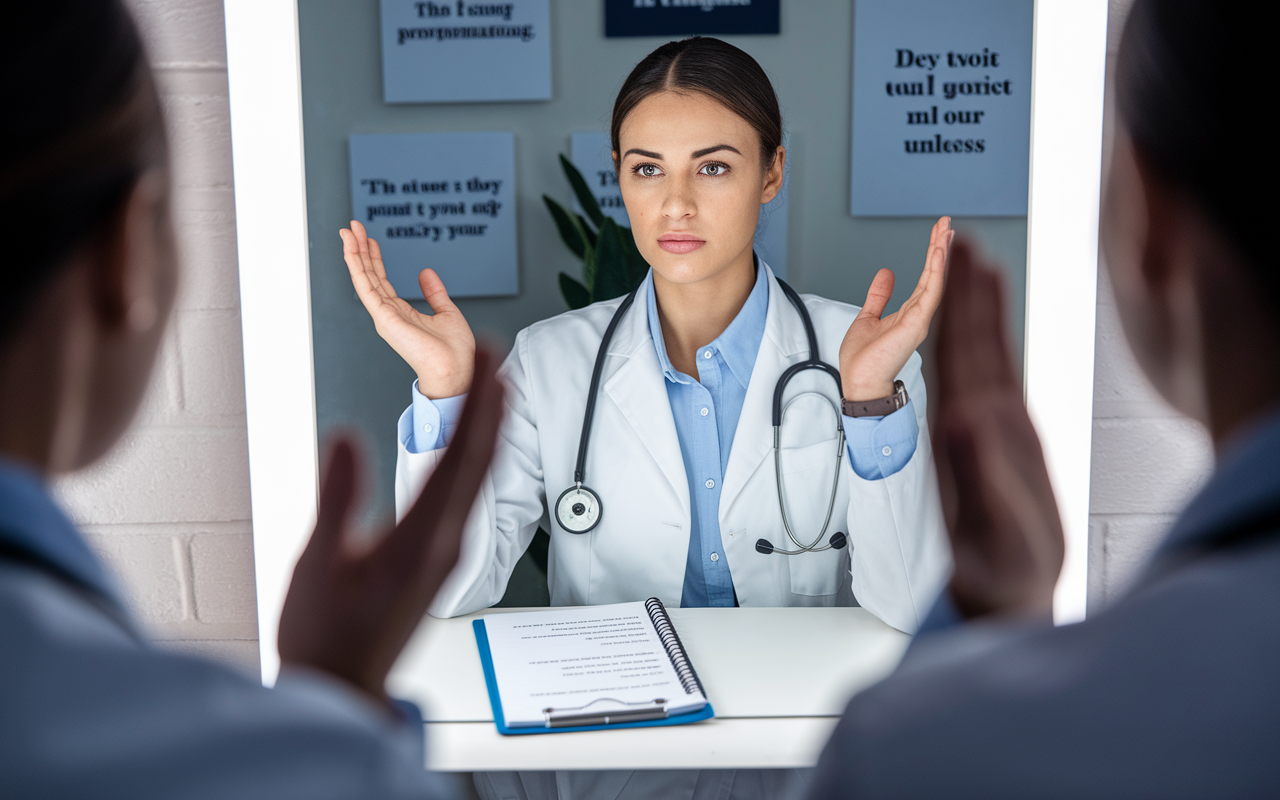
[(704, 411), (706, 354), (427, 427), (711, 484), (715, 556), (887, 451)]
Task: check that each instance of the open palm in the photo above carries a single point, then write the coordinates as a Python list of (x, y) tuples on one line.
[(440, 347), (876, 348)]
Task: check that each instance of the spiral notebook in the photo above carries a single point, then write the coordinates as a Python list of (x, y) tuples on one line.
[(588, 668)]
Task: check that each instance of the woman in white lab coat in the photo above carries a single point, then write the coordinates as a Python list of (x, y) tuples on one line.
[(697, 138), (686, 493)]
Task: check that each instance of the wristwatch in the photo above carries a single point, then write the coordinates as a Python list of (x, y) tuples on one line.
[(877, 408)]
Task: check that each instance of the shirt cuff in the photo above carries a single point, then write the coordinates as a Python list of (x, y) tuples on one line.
[(430, 422), (881, 446)]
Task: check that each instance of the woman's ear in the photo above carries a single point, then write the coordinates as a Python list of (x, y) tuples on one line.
[(136, 267), (773, 176)]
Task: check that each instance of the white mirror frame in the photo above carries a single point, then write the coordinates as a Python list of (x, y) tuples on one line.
[(275, 295)]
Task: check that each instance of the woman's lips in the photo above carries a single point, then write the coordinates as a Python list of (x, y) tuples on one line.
[(680, 244)]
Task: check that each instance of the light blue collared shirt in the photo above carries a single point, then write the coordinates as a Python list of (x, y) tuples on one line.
[(706, 412)]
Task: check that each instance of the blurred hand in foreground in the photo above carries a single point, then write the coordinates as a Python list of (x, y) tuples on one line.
[(1006, 534), (351, 608)]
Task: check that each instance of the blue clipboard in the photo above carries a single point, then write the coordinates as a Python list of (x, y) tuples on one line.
[(491, 681)]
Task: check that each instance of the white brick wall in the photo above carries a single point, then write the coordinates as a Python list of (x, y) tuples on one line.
[(169, 509)]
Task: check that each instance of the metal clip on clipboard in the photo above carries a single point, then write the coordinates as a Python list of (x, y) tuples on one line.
[(579, 716)]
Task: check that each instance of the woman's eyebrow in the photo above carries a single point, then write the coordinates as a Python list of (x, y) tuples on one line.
[(645, 153), (709, 150)]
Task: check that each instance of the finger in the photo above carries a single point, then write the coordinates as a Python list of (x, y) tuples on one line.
[(878, 295), (433, 290), (935, 263), (337, 501), (951, 318), (369, 288), (989, 350), (999, 344), (974, 353), (939, 232), (380, 269), (967, 518)]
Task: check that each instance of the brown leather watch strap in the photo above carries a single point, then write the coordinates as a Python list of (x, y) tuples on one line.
[(880, 407)]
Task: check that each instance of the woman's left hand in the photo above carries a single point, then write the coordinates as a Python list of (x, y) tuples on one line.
[(876, 349)]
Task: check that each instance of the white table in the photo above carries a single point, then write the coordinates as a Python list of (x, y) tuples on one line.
[(778, 679)]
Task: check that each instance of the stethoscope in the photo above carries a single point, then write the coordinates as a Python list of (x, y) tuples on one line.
[(579, 508)]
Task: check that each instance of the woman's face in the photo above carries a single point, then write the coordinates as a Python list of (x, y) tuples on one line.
[(693, 184)]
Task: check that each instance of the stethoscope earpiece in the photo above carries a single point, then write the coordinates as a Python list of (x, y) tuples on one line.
[(837, 542)]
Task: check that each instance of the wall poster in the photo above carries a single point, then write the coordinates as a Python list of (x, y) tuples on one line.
[(440, 200), (444, 51), (941, 107), (688, 17)]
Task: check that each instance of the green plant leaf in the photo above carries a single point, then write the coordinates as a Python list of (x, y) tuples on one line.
[(568, 226), (586, 231), (575, 294), (589, 271), (612, 270), (583, 192), (637, 267)]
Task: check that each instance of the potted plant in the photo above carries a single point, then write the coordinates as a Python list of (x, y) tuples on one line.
[(611, 264)]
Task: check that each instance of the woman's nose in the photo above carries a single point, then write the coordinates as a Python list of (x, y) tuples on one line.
[(678, 202)]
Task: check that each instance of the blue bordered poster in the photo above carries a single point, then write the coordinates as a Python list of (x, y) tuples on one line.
[(441, 51), (440, 200), (688, 17), (941, 107)]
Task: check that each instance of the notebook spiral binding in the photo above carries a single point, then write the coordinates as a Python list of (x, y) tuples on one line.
[(672, 644)]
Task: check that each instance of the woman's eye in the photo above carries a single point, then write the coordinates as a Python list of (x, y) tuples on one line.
[(647, 170), (713, 170)]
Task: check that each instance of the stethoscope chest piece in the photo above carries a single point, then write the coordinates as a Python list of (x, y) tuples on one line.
[(578, 509)]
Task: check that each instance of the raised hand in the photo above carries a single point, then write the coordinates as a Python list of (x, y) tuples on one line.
[(351, 607), (875, 349), (1006, 535), (440, 347)]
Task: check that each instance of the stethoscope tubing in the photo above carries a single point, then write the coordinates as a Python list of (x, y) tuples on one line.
[(812, 362)]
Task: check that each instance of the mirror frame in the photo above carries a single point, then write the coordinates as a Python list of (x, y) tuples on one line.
[(264, 76)]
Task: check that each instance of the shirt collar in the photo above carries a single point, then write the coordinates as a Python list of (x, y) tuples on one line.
[(32, 525), (1243, 489), (738, 345)]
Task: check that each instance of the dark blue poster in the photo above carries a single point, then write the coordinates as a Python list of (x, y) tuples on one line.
[(688, 17)]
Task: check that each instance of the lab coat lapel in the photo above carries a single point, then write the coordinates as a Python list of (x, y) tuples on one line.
[(783, 344), (640, 392)]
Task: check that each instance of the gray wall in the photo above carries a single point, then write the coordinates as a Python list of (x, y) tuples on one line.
[(361, 383)]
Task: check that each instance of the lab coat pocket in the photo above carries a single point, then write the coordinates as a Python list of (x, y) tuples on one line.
[(807, 477)]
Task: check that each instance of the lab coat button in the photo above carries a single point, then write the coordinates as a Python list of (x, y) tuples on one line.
[(715, 556), (887, 451), (706, 354), (427, 427), (704, 411), (711, 484)]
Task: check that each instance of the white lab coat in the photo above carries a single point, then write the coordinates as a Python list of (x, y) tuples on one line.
[(899, 553)]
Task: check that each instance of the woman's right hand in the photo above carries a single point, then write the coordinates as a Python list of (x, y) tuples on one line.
[(440, 347)]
